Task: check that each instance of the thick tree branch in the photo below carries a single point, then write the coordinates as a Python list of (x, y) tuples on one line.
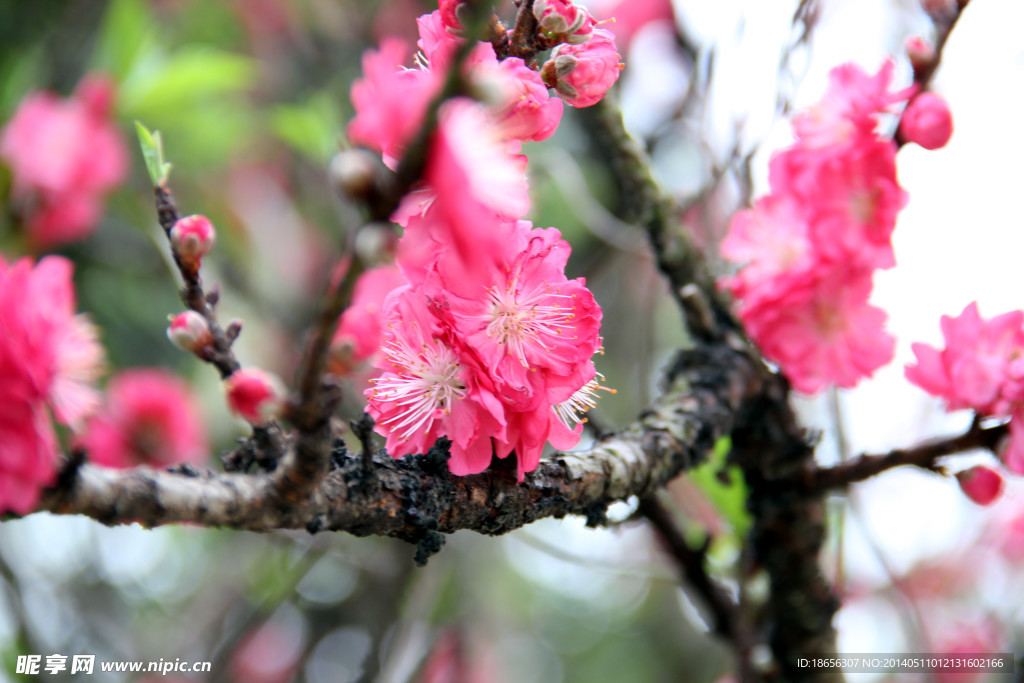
[(417, 496)]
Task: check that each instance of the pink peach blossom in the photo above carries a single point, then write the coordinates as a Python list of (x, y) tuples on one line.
[(48, 357), (357, 339), (526, 110), (65, 156), (851, 197), (821, 330), (432, 385), (927, 121), (978, 368), (390, 101), (150, 418), (850, 106)]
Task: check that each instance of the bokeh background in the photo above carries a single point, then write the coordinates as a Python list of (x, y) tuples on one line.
[(251, 97)]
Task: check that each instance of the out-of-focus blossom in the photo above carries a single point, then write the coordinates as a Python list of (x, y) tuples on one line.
[(65, 155), (270, 653), (981, 366), (927, 121), (850, 107), (49, 357), (150, 418), (821, 331), (809, 248), (357, 339)]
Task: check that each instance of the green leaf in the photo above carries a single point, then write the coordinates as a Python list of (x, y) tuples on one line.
[(153, 152), (724, 486), (127, 30), (310, 128), (176, 86)]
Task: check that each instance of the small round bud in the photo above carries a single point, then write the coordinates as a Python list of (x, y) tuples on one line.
[(376, 243), (192, 238), (189, 331), (353, 172), (582, 74), (255, 395), (920, 52), (981, 484), (927, 121)]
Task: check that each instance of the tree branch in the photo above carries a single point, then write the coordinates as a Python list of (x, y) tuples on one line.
[(924, 455), (417, 496)]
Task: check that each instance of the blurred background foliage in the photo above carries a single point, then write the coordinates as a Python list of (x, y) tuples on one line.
[(251, 97)]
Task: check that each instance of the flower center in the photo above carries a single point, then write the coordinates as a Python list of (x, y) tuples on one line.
[(518, 320), (424, 385)]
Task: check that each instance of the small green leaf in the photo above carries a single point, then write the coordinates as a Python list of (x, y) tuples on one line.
[(153, 152)]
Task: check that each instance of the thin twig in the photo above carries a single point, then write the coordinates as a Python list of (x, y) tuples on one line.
[(924, 455)]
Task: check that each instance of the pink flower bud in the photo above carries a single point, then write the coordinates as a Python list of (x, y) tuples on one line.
[(562, 21), (189, 331), (920, 52), (450, 14), (192, 238), (254, 395), (582, 74), (927, 121), (981, 484)]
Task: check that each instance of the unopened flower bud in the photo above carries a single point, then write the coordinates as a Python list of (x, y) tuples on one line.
[(353, 172), (920, 52), (927, 121), (453, 14), (189, 331), (562, 21), (376, 243), (254, 395), (582, 74), (981, 484), (192, 238)]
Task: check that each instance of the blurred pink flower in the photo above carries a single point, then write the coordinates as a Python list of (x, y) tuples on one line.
[(150, 418), (808, 249), (48, 357), (526, 110), (821, 330), (980, 367), (851, 196), (390, 101), (850, 106), (65, 156), (357, 339), (927, 121)]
